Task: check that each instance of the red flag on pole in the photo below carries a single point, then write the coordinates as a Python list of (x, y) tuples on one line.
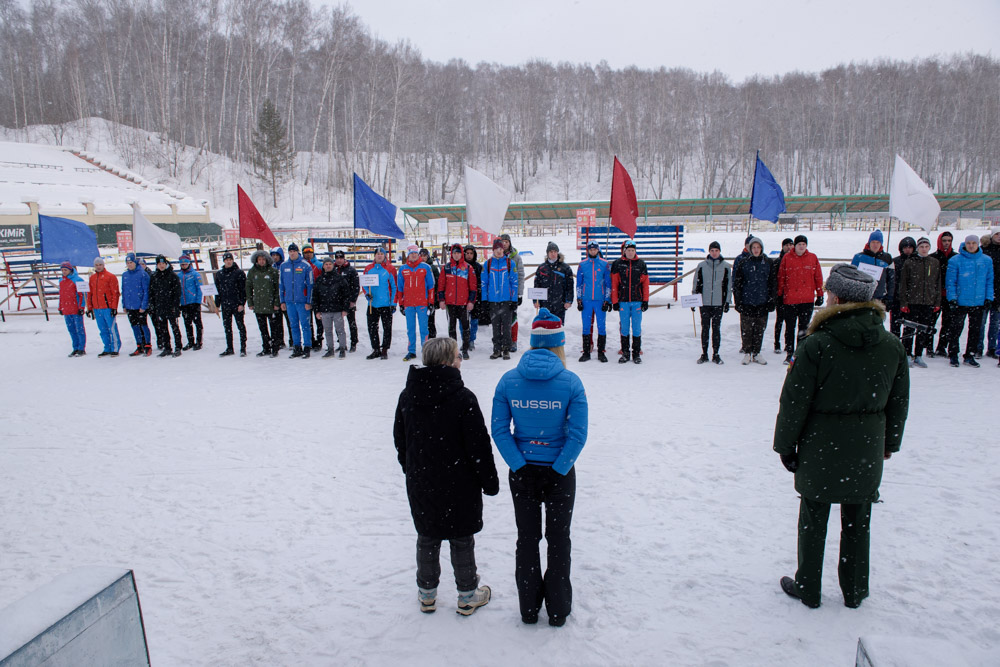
[(252, 225), (624, 207)]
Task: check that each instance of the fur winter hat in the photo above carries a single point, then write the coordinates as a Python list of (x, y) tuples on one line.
[(850, 285), (546, 330)]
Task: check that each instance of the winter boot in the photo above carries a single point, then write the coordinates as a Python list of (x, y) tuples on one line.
[(341, 354), (587, 341), (306, 351), (465, 355), (243, 350), (317, 344), (177, 353), (918, 362), (428, 599), (189, 346), (197, 345), (330, 354), (954, 362), (601, 342), (496, 354), (354, 347), (264, 353), (777, 348), (637, 349), (374, 355), (296, 352), (757, 359), (506, 355), (149, 350), (165, 352), (625, 351), (716, 359), (791, 590), (469, 601), (227, 352), (970, 360), (788, 359), (410, 357), (385, 353), (139, 351), (703, 359), (274, 352), (747, 358)]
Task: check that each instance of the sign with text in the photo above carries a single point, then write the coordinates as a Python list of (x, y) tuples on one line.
[(872, 270), (438, 226), (691, 301), (209, 290), (83, 287), (232, 238), (369, 280), (124, 241), (585, 217), (537, 293), (17, 236)]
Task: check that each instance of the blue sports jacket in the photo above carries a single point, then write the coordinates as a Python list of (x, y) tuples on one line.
[(296, 281), (969, 279), (549, 407), (135, 289), (498, 281), (384, 295), (190, 286), (593, 280)]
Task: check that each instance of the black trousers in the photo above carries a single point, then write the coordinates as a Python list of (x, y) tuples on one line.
[(227, 324), (282, 323), (352, 324), (916, 341), (752, 326), (270, 321), (896, 318), (501, 315), (947, 322), (160, 325), (431, 324), (458, 314), (779, 319), (975, 315), (855, 538), (711, 318), (316, 332), (192, 322), (797, 316), (376, 315), (531, 487), (463, 562)]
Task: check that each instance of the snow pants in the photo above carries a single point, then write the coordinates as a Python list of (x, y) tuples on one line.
[(227, 324), (334, 322), (797, 316), (855, 526), (270, 340), (298, 322), (711, 318), (192, 322), (459, 315), (501, 313), (108, 327), (463, 562), (975, 315), (415, 315), (74, 324), (532, 487), (630, 318), (383, 315), (592, 310), (139, 327)]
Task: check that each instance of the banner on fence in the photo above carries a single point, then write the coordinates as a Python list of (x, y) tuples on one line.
[(124, 241), (232, 238), (585, 217), (17, 236)]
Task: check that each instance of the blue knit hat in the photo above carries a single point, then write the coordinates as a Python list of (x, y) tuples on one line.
[(130, 257), (546, 330), (875, 236)]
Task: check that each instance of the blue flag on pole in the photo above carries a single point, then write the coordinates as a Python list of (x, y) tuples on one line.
[(767, 199), (63, 240), (373, 212)]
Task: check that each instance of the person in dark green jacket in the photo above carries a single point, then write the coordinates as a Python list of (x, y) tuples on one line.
[(262, 299), (843, 408)]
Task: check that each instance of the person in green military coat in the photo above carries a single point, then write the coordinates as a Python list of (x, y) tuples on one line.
[(262, 299), (842, 412)]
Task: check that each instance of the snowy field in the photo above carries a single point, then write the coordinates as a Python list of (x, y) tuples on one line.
[(264, 513)]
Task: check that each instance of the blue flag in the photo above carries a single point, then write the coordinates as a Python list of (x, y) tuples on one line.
[(767, 199), (67, 240), (373, 212)]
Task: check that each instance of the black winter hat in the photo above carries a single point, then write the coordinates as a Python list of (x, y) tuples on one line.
[(339, 253), (907, 242), (292, 246), (715, 244), (745, 242), (801, 238), (850, 285), (551, 246), (227, 255), (787, 241)]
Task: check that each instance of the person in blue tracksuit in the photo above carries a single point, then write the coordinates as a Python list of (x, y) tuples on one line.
[(498, 292), (295, 295), (135, 301), (874, 255), (593, 299), (548, 406), (380, 303), (191, 297), (969, 291)]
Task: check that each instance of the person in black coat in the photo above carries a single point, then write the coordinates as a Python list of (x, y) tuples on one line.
[(231, 283), (446, 453), (333, 297), (165, 305), (343, 267), (555, 276), (755, 288)]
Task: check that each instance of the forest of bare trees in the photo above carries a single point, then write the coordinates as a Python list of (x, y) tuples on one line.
[(196, 72)]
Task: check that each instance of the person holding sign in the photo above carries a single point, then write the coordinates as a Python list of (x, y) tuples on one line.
[(556, 277), (593, 299), (499, 289), (456, 289), (713, 279), (800, 280), (630, 297), (71, 307), (415, 292), (877, 263), (379, 284)]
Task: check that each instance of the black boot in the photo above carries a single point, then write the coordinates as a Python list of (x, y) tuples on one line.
[(637, 349), (296, 352), (227, 352), (306, 351), (243, 349), (375, 354), (587, 342), (625, 351), (165, 352), (601, 342)]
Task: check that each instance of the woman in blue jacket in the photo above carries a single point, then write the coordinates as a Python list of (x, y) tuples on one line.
[(549, 408)]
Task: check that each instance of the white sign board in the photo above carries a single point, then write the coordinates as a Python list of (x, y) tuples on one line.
[(872, 270), (209, 290), (537, 293), (691, 301), (369, 280), (438, 226), (83, 287)]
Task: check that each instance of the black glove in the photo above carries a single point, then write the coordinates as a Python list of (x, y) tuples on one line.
[(645, 306), (402, 309), (770, 306), (513, 307), (692, 310), (616, 306), (737, 307), (579, 305), (725, 307), (519, 300), (790, 461), (819, 300), (114, 313), (493, 489), (90, 314), (953, 304), (606, 306)]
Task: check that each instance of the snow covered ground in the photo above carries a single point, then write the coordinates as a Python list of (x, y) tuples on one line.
[(264, 513)]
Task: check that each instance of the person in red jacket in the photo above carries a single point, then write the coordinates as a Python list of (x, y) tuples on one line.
[(456, 290), (414, 293), (630, 297), (71, 307), (800, 287), (102, 305)]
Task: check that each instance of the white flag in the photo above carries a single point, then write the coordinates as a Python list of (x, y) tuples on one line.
[(147, 237), (910, 199), (485, 202)]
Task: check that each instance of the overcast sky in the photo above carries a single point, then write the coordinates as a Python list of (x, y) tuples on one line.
[(737, 37)]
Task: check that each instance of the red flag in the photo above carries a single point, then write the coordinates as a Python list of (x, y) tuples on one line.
[(624, 207), (252, 225)]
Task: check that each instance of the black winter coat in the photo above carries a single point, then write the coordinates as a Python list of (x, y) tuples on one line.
[(477, 309), (232, 286), (993, 252), (445, 451), (353, 282), (557, 278), (755, 284), (165, 293), (332, 292)]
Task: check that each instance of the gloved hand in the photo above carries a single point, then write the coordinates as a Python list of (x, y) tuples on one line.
[(725, 307), (606, 306), (771, 305), (513, 307), (114, 313), (905, 309), (953, 304), (937, 309), (402, 310), (790, 461), (616, 306), (519, 300), (90, 314), (692, 310), (491, 490), (579, 305), (738, 308), (887, 455), (819, 300), (645, 306)]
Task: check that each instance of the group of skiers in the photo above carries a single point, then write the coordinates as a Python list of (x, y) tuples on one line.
[(913, 287)]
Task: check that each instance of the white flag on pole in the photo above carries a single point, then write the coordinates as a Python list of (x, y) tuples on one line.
[(147, 237), (485, 202), (910, 199)]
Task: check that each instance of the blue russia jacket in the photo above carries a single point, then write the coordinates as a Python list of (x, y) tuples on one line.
[(498, 280), (593, 280), (296, 281), (383, 296), (549, 407), (969, 279), (135, 289), (886, 286), (190, 286)]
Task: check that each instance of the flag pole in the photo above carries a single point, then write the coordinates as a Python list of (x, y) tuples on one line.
[(607, 240), (753, 184)]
